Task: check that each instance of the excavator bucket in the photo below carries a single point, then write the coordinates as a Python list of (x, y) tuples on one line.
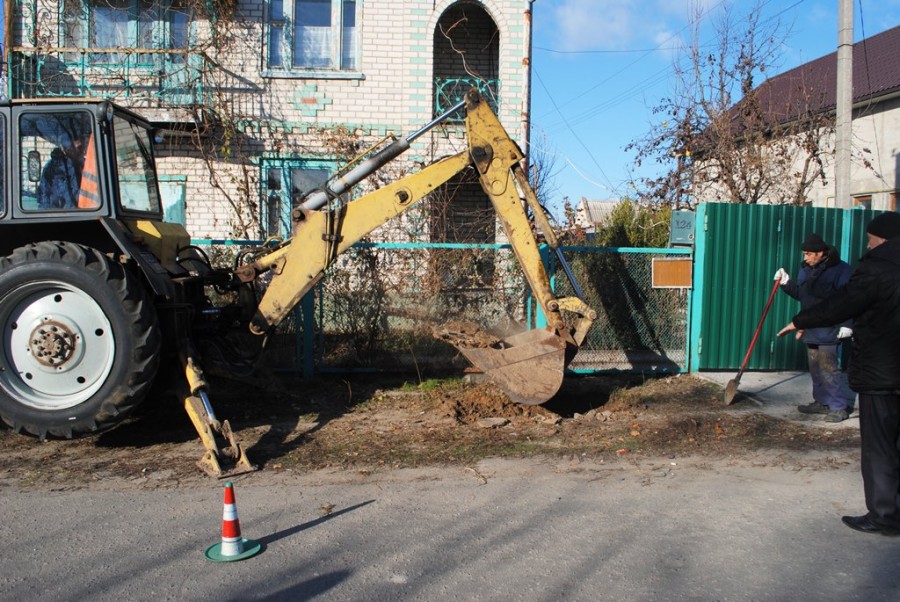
[(528, 366)]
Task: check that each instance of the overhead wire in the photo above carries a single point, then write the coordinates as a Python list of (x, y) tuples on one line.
[(568, 126), (572, 131), (623, 96), (868, 74), (594, 111)]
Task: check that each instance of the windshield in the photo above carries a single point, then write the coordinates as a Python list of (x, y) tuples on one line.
[(138, 189), (57, 166)]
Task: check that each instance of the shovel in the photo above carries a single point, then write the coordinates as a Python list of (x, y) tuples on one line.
[(731, 387)]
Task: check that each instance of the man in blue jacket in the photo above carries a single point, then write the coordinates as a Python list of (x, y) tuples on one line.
[(821, 274), (872, 300)]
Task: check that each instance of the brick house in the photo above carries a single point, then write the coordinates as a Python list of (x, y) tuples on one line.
[(258, 101)]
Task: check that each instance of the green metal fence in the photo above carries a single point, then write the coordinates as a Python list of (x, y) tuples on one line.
[(172, 78), (377, 307), (738, 250)]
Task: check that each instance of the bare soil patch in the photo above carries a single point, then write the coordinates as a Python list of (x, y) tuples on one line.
[(368, 424)]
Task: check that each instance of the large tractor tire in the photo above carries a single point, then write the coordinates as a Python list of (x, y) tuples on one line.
[(79, 340)]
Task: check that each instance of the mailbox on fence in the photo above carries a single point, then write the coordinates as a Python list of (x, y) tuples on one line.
[(681, 228), (672, 272)]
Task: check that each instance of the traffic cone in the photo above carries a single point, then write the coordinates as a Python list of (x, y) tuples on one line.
[(232, 546)]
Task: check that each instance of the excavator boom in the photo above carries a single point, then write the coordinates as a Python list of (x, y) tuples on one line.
[(528, 366)]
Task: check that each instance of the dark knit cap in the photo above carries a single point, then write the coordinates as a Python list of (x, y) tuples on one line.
[(886, 225), (814, 244)]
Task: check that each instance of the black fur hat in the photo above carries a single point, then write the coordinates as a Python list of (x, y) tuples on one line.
[(886, 225), (814, 244)]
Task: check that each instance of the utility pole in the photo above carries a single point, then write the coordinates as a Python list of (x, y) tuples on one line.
[(844, 108)]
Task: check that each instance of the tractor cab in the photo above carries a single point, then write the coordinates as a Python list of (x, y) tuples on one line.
[(66, 161), (76, 160)]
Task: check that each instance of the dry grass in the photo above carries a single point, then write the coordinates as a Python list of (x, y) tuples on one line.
[(368, 424)]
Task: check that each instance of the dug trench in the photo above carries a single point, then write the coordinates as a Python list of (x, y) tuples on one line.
[(369, 424)]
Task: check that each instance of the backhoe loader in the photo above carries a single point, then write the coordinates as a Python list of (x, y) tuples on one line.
[(97, 291)]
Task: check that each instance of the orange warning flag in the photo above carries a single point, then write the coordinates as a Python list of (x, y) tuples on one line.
[(89, 194)]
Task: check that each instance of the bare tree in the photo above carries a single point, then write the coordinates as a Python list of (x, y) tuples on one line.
[(723, 137)]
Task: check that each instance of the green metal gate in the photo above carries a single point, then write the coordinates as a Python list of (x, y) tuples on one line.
[(738, 249)]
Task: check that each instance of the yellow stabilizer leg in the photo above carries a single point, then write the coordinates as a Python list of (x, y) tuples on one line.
[(200, 411)]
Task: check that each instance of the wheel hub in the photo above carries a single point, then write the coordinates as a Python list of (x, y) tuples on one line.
[(56, 348), (53, 343)]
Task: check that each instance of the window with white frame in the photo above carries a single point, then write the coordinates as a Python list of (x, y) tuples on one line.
[(127, 24), (314, 35)]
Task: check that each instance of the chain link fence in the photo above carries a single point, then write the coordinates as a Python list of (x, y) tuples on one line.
[(377, 308), (638, 328)]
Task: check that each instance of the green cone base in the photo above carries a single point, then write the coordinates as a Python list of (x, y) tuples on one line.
[(251, 548)]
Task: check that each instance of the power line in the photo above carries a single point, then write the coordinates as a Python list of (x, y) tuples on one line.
[(625, 51), (659, 47), (624, 95), (571, 130)]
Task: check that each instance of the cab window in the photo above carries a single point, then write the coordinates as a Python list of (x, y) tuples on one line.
[(57, 164), (138, 187)]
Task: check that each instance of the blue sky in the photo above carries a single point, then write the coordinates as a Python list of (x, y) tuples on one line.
[(600, 66)]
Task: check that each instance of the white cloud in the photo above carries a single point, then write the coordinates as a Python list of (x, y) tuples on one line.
[(593, 24), (580, 25)]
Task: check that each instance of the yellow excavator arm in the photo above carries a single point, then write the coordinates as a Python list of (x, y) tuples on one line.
[(528, 366)]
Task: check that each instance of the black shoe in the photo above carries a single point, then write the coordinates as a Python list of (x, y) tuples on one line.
[(814, 408), (862, 523), (837, 416)]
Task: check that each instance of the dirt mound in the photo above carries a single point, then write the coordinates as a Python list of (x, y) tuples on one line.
[(671, 393), (473, 403)]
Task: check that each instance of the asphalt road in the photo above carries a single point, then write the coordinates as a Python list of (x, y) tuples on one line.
[(762, 528)]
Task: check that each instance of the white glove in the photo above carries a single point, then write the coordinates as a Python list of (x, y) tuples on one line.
[(781, 275), (844, 332)]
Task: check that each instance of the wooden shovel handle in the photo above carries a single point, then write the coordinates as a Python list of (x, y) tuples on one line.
[(759, 326)]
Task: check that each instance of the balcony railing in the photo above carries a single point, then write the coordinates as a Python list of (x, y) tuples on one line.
[(164, 77), (449, 91)]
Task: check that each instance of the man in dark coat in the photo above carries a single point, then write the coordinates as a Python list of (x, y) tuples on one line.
[(872, 300), (821, 274), (61, 177)]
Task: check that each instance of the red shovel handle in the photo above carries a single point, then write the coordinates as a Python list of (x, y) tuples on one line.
[(760, 325)]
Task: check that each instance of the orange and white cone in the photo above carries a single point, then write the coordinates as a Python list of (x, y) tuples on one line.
[(232, 546)]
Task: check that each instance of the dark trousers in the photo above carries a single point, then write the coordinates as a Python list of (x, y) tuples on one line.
[(829, 382), (879, 429)]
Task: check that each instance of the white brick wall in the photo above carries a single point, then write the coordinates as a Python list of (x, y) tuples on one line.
[(285, 116), (394, 95)]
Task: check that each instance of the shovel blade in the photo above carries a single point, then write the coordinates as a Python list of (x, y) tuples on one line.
[(528, 366), (731, 390)]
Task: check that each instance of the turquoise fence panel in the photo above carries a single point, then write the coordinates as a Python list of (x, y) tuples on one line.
[(639, 328)]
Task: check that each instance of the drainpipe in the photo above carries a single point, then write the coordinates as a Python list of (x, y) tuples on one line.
[(526, 110)]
